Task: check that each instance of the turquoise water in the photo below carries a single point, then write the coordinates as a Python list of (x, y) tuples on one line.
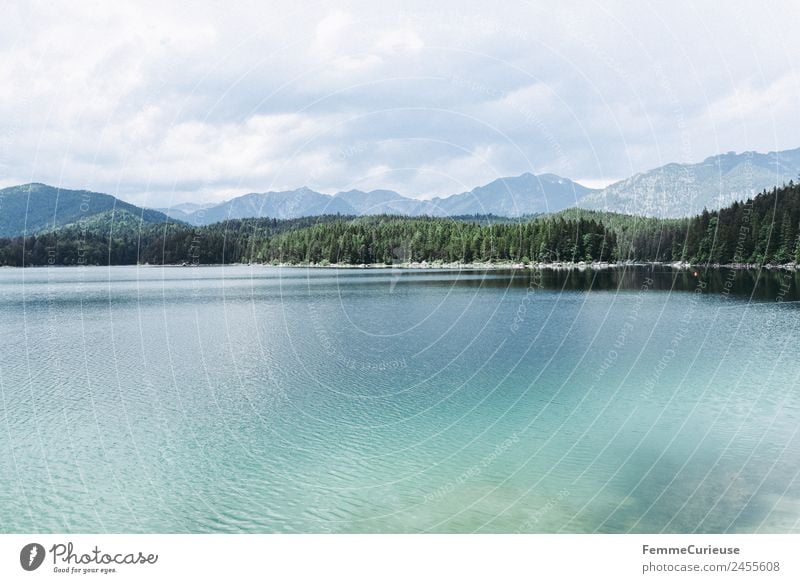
[(259, 399)]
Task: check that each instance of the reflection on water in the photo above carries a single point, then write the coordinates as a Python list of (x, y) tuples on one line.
[(237, 399), (743, 284)]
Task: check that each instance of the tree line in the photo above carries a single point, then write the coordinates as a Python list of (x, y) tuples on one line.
[(761, 230)]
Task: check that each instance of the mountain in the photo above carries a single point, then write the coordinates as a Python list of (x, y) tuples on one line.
[(377, 202), (508, 197), (677, 190), (289, 204), (516, 196), (190, 207), (32, 208), (184, 211), (673, 190), (302, 202)]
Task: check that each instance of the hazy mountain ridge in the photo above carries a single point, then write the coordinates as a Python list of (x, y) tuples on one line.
[(508, 197), (377, 202), (672, 190), (280, 205), (516, 196), (676, 190)]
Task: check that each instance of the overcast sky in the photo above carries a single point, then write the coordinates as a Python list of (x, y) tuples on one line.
[(167, 102)]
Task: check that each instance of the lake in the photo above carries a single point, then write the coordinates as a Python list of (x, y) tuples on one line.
[(266, 399)]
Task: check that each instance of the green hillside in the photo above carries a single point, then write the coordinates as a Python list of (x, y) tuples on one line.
[(33, 208)]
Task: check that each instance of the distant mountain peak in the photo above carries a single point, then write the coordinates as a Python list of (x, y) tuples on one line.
[(555, 178), (676, 189), (504, 196)]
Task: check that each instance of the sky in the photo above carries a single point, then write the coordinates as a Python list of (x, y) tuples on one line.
[(167, 102)]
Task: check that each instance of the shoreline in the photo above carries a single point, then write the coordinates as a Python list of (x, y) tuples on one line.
[(475, 266), (557, 265)]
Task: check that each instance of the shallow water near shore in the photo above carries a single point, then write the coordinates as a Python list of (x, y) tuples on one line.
[(256, 399)]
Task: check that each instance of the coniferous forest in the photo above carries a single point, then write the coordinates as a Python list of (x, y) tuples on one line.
[(763, 230)]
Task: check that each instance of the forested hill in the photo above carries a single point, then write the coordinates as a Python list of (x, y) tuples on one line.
[(32, 208), (759, 231)]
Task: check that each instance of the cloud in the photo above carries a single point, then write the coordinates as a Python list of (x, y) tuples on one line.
[(173, 101)]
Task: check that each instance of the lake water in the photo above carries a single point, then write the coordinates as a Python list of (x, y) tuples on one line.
[(239, 399)]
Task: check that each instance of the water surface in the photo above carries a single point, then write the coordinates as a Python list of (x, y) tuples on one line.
[(255, 399)]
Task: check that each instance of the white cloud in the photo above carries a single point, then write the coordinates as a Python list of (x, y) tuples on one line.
[(400, 41), (331, 31), (178, 100)]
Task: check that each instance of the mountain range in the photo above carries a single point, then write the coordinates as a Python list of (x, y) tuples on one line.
[(672, 190), (509, 197), (677, 190)]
